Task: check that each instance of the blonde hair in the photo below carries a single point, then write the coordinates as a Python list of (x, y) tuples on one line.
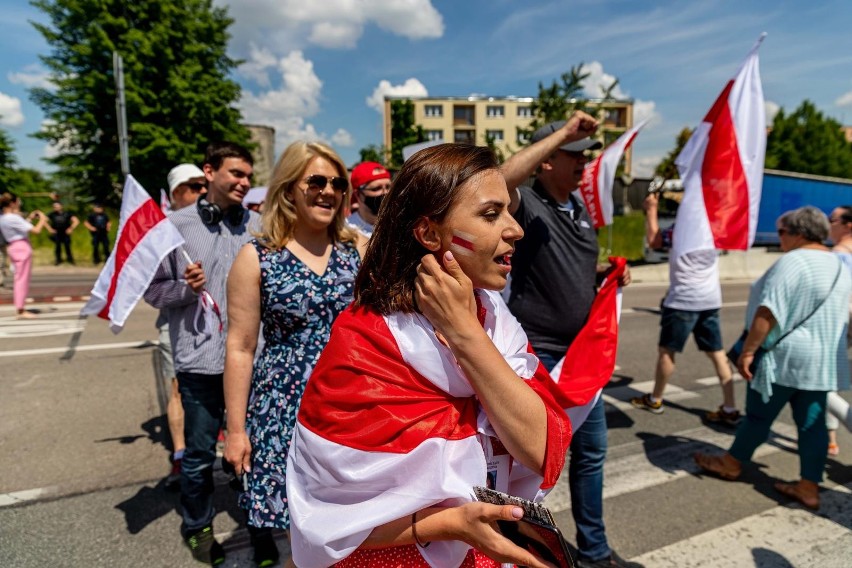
[(278, 220)]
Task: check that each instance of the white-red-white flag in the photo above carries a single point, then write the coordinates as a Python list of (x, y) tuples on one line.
[(599, 175), (165, 202), (722, 168), (389, 424), (145, 236)]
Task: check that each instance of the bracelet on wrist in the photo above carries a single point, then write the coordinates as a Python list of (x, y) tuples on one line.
[(414, 531)]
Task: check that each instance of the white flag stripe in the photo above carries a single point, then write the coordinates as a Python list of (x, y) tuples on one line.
[(139, 254), (722, 168)]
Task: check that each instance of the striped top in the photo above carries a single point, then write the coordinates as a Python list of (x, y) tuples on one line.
[(813, 356), (195, 347)]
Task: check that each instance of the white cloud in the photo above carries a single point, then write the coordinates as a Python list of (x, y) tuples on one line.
[(643, 167), (411, 88), (342, 138), (844, 100), (259, 61), (292, 24), (335, 34), (32, 75), (597, 82), (62, 146), (10, 111), (288, 107), (772, 109)]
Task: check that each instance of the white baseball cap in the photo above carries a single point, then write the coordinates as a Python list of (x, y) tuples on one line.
[(182, 174), (254, 196)]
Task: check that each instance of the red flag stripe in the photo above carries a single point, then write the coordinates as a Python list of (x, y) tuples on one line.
[(590, 191), (724, 184), (146, 217)]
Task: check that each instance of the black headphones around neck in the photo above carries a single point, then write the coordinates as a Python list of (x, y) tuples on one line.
[(211, 214)]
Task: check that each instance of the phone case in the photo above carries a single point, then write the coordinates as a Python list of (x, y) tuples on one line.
[(536, 532)]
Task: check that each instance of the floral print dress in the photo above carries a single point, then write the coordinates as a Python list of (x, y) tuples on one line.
[(298, 307)]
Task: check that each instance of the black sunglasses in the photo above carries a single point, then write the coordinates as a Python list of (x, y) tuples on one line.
[(197, 186), (318, 182)]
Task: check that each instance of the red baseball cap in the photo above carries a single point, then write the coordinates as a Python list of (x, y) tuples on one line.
[(365, 172)]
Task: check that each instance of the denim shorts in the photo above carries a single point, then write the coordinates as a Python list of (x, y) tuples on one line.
[(676, 325)]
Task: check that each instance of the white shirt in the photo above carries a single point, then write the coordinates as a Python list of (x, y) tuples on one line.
[(357, 222), (14, 227), (694, 282)]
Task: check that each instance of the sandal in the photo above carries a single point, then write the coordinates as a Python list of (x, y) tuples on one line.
[(833, 449), (717, 465), (795, 491)]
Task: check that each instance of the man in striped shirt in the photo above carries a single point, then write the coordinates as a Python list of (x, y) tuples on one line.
[(214, 229)]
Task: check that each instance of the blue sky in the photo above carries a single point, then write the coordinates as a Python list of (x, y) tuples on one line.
[(314, 68)]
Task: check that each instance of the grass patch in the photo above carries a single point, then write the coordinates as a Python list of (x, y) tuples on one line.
[(628, 236), (81, 242)]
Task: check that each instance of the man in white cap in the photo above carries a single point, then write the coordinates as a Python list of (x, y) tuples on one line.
[(186, 183), (370, 182)]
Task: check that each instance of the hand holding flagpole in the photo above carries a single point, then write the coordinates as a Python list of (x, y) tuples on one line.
[(207, 308)]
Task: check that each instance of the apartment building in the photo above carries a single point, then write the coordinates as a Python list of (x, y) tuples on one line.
[(474, 119)]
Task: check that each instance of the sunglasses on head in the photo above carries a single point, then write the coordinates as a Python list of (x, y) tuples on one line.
[(318, 182)]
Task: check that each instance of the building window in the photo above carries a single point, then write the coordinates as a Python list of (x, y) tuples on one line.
[(433, 135), (614, 117), (464, 136), (495, 135), (495, 111), (524, 112), (463, 115), (433, 111), (523, 138)]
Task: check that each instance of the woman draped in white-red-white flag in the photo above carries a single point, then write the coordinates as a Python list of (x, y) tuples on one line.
[(427, 387)]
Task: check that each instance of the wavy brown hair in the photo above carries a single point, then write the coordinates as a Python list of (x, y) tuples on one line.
[(278, 220), (426, 186)]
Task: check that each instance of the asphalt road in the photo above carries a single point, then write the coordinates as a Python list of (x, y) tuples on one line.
[(83, 443)]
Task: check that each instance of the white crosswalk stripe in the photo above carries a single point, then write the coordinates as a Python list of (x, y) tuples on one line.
[(780, 537)]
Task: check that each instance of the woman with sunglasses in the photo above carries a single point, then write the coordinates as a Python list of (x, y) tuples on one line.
[(426, 388), (294, 278)]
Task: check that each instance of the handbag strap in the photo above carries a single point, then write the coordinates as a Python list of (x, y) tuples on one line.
[(801, 323)]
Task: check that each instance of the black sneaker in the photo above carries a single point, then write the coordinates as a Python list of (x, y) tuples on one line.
[(204, 547), (612, 561), (265, 551)]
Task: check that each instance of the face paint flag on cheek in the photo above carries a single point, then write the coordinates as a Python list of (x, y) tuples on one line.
[(462, 243)]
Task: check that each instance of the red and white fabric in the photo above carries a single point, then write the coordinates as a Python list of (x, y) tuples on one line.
[(145, 236), (165, 202), (589, 362), (389, 425), (722, 168), (599, 176)]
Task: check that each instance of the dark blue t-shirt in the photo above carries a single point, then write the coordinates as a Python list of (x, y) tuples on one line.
[(554, 269)]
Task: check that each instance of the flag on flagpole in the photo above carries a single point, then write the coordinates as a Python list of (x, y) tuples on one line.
[(165, 202), (145, 236), (722, 168), (599, 175)]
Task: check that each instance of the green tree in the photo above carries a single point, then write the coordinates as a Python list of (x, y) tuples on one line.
[(404, 130), (373, 153), (178, 92), (808, 142), (7, 161), (558, 100), (667, 169)]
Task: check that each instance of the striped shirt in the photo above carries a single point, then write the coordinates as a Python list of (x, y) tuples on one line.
[(813, 356), (195, 347)]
